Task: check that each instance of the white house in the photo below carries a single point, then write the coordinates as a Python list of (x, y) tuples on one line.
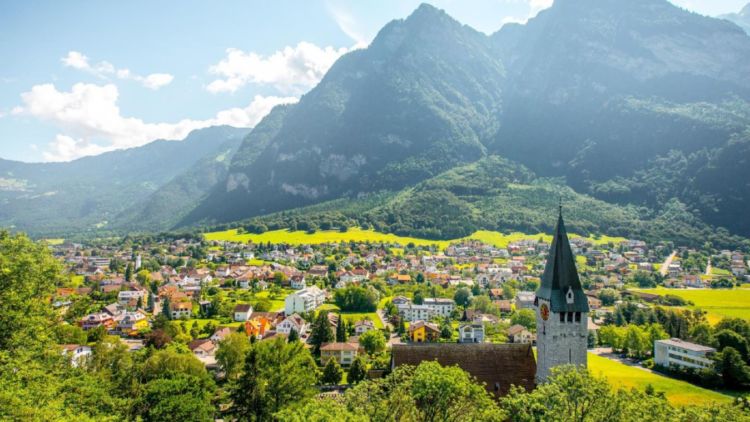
[(411, 312), (298, 282), (292, 322), (471, 333), (680, 353), (242, 312), (520, 334), (441, 307), (78, 353), (344, 353), (305, 300), (124, 297), (361, 327)]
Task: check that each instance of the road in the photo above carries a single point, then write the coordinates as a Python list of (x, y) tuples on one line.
[(708, 267), (664, 270)]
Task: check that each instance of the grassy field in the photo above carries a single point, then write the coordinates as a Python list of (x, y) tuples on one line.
[(678, 392), (54, 242), (719, 303), (496, 239), (277, 304), (352, 317)]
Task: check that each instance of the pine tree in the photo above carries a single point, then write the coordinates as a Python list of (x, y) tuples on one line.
[(332, 373), (129, 272), (401, 326), (321, 332), (139, 304), (358, 370), (165, 308), (247, 395), (150, 302), (293, 336), (341, 330)]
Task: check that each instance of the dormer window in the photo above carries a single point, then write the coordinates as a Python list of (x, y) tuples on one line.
[(569, 296)]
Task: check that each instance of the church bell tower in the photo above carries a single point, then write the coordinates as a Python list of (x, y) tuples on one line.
[(561, 309)]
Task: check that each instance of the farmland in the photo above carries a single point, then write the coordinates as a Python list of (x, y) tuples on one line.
[(719, 303), (496, 239), (677, 392)]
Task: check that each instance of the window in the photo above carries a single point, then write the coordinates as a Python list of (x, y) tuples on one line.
[(578, 317), (570, 316), (562, 316)]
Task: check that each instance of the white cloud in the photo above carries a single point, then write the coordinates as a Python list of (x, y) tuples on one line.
[(104, 70), (291, 70), (91, 122)]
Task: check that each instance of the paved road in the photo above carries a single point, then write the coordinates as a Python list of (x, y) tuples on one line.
[(667, 262)]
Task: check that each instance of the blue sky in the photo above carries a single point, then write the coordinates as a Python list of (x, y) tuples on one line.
[(83, 77)]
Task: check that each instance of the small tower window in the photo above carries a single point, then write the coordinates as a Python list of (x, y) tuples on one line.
[(570, 316), (562, 316), (578, 317), (569, 296)]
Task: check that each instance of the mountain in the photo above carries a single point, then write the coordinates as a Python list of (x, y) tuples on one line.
[(636, 103), (87, 194), (417, 102), (742, 19)]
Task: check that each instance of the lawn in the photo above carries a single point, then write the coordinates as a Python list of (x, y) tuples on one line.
[(496, 239), (677, 392), (719, 303), (352, 317), (277, 304), (54, 242)]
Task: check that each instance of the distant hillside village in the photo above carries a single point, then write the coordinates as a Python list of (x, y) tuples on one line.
[(383, 305)]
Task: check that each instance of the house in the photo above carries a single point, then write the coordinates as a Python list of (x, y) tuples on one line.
[(520, 334), (504, 306), (496, 294), (132, 322), (441, 307), (344, 353), (421, 332), (78, 353), (682, 354), (297, 282), (361, 327), (471, 333), (525, 300), (411, 312), (219, 334), (127, 297), (292, 322), (202, 348), (305, 300), (242, 312), (98, 319), (181, 309), (257, 327), (497, 366), (400, 300)]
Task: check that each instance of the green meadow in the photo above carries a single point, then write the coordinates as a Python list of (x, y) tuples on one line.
[(719, 303)]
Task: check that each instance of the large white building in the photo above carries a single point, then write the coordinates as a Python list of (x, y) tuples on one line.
[(680, 353), (442, 307), (411, 312), (305, 300)]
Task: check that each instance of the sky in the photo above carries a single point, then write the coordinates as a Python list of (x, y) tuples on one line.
[(82, 77)]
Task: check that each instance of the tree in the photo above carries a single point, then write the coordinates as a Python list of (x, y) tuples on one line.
[(276, 374), (636, 341), (180, 397), (701, 334), (293, 336), (143, 277), (332, 373), (401, 330), (129, 273), (231, 354), (525, 317), (420, 278), (249, 392), (28, 276), (321, 332), (357, 370), (418, 298), (732, 367), (341, 335), (165, 308), (446, 330), (373, 341), (609, 296), (728, 338), (462, 297), (320, 410), (356, 299)]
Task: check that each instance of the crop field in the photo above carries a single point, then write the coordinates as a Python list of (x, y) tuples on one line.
[(496, 239), (719, 303), (678, 392)]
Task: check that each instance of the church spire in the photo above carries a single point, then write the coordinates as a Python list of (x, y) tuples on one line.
[(560, 283)]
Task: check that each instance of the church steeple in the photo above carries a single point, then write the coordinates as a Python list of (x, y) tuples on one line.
[(560, 283)]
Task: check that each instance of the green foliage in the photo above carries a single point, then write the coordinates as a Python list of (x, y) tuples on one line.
[(320, 410), (332, 373), (231, 353), (180, 397), (373, 341), (525, 317), (462, 297), (357, 370), (356, 299), (321, 332)]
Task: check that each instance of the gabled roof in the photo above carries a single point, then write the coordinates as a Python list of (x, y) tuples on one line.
[(498, 366), (561, 275)]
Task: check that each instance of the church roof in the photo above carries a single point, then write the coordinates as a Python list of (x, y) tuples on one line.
[(561, 276), (498, 366)]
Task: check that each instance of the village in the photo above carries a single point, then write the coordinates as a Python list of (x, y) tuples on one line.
[(368, 305)]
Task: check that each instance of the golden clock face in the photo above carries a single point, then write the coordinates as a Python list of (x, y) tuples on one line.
[(544, 311)]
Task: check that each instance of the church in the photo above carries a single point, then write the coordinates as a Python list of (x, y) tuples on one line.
[(562, 330)]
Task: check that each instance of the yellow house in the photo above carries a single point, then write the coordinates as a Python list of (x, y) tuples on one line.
[(422, 332)]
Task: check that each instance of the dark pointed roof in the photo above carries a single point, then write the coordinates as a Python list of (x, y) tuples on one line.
[(561, 275)]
